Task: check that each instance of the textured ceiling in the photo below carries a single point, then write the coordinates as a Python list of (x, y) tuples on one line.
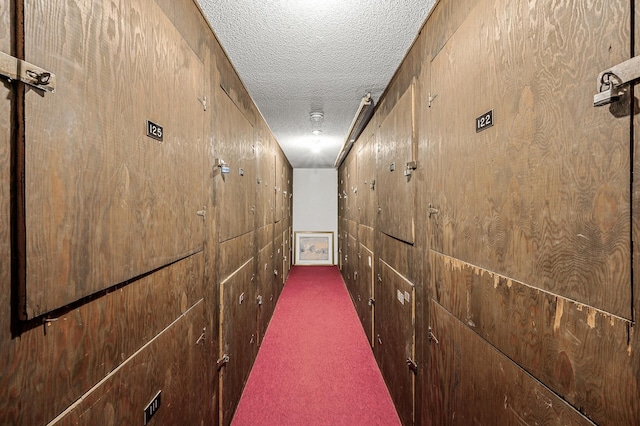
[(300, 56)]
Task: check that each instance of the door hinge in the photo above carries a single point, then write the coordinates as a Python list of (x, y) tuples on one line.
[(17, 69), (413, 366), (222, 361)]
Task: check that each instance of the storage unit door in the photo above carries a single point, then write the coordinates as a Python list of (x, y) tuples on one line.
[(364, 297), (235, 180), (395, 185), (395, 337), (531, 186), (113, 172), (238, 340)]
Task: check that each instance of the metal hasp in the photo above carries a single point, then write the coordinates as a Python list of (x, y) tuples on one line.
[(613, 83), (17, 69), (222, 361), (413, 366)]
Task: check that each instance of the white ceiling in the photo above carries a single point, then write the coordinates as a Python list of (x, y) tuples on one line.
[(300, 56)]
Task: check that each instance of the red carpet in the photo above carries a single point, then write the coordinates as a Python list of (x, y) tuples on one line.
[(315, 366)]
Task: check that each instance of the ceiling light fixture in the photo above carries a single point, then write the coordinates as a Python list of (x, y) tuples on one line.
[(316, 117), (362, 117), (316, 132)]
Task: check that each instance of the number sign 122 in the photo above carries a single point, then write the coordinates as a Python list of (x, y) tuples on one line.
[(484, 121)]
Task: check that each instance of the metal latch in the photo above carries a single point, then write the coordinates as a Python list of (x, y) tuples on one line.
[(372, 301), (413, 366), (410, 167), (222, 361), (17, 69), (202, 336), (202, 213), (613, 83), (432, 337), (432, 210)]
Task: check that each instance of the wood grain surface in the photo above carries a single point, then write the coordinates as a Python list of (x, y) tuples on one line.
[(542, 196), (235, 192), (238, 313), (365, 287), (574, 349), (472, 383), (395, 191), (101, 205), (122, 397), (395, 337)]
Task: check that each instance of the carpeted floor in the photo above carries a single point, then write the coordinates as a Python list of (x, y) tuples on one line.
[(315, 366)]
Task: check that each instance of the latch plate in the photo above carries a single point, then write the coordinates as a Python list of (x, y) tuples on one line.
[(413, 366), (611, 83), (17, 69), (222, 361)]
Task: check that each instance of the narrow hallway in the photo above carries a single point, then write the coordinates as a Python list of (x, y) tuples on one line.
[(315, 366)]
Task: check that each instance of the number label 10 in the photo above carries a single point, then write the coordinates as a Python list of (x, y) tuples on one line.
[(484, 121)]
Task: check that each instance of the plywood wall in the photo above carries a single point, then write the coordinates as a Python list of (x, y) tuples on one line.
[(124, 257), (517, 239)]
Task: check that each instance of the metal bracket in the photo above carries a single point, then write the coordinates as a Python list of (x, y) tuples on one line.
[(17, 69), (202, 336), (410, 167), (432, 211), (413, 366), (222, 361), (203, 101), (432, 337), (612, 83)]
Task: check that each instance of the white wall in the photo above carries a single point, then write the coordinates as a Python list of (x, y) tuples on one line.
[(315, 202)]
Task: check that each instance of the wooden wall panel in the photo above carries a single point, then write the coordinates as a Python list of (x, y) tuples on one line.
[(278, 261), (235, 191), (395, 190), (238, 339), (234, 253), (366, 171), (635, 201), (543, 194), (363, 296), (268, 289), (172, 363), (101, 206), (573, 349), (279, 184), (394, 327), (50, 367), (366, 236), (475, 384), (265, 179)]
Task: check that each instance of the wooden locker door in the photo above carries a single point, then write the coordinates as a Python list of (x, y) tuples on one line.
[(532, 216), (542, 195), (365, 295), (395, 337), (395, 185), (235, 195), (238, 341), (103, 202)]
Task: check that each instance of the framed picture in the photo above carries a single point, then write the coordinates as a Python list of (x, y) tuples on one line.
[(313, 248)]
